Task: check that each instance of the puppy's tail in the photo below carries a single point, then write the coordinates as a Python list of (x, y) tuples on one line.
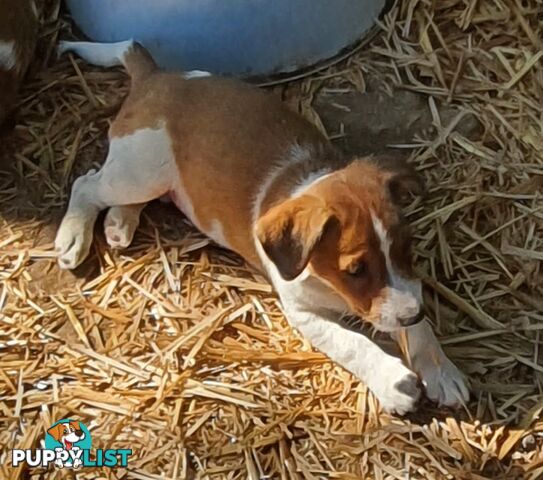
[(136, 59)]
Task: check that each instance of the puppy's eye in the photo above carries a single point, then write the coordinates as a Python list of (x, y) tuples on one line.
[(358, 270)]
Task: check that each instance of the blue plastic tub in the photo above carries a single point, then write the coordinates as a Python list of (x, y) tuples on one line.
[(238, 37)]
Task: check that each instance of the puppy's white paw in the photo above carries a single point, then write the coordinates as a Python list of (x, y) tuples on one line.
[(397, 389), (119, 230), (73, 242), (443, 382)]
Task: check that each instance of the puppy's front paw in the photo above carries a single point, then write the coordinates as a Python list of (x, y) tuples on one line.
[(443, 382), (397, 389), (72, 242)]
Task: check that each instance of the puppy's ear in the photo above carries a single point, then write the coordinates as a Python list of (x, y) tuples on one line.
[(56, 431), (402, 180), (290, 231)]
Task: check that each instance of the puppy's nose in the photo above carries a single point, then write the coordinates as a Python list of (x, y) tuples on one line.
[(409, 321)]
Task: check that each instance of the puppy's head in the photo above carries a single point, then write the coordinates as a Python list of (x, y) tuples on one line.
[(348, 230), (61, 430)]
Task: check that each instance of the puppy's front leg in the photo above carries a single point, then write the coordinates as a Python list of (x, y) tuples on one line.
[(444, 383), (394, 384)]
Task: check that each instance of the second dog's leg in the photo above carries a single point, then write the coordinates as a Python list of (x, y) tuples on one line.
[(140, 167)]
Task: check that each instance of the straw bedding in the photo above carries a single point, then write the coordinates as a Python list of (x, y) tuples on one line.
[(176, 349)]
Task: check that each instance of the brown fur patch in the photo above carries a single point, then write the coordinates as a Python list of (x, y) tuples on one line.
[(290, 231)]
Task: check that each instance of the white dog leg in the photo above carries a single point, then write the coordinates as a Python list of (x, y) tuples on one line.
[(140, 167), (444, 383), (393, 383), (121, 223)]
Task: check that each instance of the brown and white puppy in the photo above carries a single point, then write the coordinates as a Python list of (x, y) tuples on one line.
[(18, 34), (259, 179), (67, 434)]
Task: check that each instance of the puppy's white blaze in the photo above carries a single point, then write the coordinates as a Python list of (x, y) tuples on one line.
[(404, 296), (8, 55), (101, 54), (195, 74)]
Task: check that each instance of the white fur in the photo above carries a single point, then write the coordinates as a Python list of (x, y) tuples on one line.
[(121, 223), (101, 54), (403, 296), (296, 154), (195, 74), (310, 181), (140, 167), (110, 54), (443, 381), (8, 55), (263, 191)]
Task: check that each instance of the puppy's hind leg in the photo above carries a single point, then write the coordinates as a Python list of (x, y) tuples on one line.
[(120, 224), (139, 168)]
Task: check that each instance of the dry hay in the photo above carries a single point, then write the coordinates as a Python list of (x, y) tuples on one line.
[(176, 349)]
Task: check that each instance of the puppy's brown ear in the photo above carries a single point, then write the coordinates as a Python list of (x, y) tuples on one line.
[(290, 231), (56, 431)]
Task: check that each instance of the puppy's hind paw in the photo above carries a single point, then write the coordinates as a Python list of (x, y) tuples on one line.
[(120, 225)]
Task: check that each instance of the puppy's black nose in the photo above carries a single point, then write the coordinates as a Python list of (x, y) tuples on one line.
[(409, 321)]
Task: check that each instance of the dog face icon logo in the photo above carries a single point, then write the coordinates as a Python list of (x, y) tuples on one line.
[(67, 434), (68, 444), (68, 438)]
